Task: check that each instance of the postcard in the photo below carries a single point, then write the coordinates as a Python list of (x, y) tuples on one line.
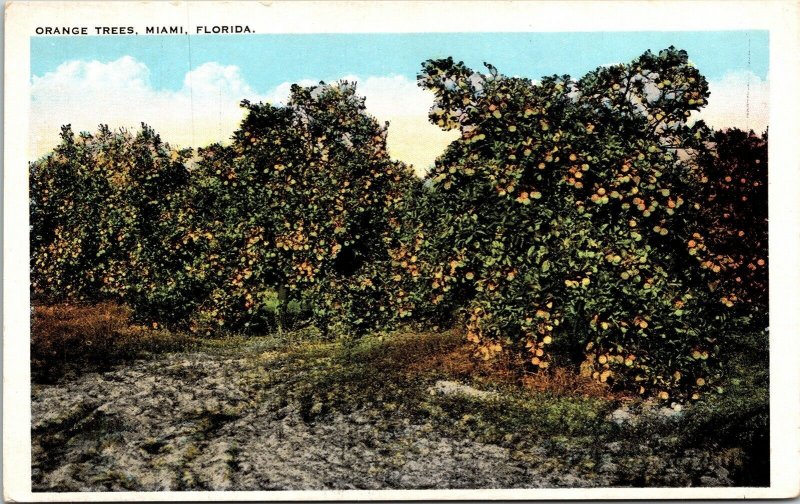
[(401, 250)]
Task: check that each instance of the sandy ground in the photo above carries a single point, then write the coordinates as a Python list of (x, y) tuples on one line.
[(210, 422)]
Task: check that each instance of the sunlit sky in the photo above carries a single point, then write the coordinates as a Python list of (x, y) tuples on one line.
[(188, 87)]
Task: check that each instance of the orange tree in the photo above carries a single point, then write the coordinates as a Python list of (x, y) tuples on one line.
[(731, 244), (305, 202), (565, 209), (100, 206)]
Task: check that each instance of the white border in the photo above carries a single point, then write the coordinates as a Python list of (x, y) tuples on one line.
[(780, 17)]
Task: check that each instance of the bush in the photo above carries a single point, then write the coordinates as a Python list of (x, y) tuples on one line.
[(305, 202), (64, 336)]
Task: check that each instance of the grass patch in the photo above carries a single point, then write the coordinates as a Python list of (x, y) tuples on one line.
[(520, 418), (737, 420), (370, 372)]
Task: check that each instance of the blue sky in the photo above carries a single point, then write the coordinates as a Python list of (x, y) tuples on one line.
[(268, 60), (189, 87)]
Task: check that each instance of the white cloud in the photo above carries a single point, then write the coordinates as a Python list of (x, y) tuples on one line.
[(411, 137), (211, 79), (728, 103), (206, 109), (120, 94)]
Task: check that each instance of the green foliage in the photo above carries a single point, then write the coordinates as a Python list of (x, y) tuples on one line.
[(565, 210), (738, 419)]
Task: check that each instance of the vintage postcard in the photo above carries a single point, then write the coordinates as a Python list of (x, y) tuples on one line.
[(401, 250)]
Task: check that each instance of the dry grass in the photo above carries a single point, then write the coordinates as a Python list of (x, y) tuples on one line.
[(460, 362), (73, 336), (563, 382)]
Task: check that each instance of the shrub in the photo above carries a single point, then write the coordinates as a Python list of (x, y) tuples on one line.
[(565, 208), (305, 203)]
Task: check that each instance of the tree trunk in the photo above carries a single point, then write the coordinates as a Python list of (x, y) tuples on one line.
[(283, 294)]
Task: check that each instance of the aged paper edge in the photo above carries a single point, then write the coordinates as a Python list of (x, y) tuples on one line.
[(780, 17)]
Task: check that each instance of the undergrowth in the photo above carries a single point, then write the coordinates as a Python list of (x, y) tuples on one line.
[(69, 337)]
